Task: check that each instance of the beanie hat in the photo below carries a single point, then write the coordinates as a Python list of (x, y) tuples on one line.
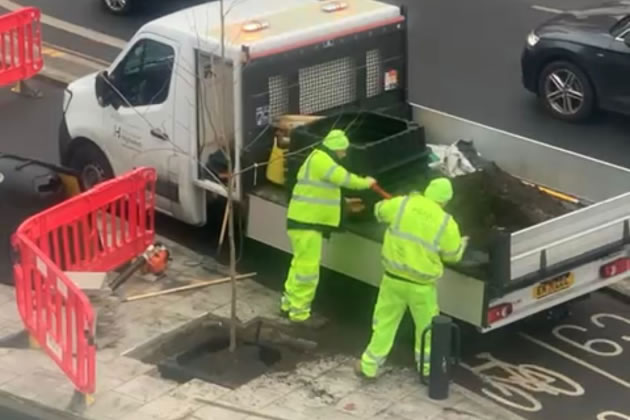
[(336, 140), (439, 190)]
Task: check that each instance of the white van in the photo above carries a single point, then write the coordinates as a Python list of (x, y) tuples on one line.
[(281, 56)]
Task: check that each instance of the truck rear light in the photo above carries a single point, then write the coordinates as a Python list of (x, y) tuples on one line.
[(499, 312), (615, 268)]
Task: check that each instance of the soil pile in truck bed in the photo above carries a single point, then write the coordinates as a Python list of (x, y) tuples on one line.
[(492, 198)]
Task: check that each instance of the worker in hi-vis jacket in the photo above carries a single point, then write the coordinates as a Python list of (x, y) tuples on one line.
[(315, 210), (420, 237)]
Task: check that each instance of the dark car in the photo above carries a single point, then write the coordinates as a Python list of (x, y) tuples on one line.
[(579, 61)]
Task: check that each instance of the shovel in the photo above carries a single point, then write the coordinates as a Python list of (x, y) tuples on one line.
[(377, 189)]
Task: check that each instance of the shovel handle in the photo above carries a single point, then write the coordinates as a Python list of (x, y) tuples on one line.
[(377, 189)]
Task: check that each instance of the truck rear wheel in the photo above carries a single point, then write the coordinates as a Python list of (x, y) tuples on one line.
[(92, 165)]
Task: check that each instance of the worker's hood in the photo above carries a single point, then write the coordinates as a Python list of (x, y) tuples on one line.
[(330, 153)]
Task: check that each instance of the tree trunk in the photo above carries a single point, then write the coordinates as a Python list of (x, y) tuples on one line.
[(230, 197)]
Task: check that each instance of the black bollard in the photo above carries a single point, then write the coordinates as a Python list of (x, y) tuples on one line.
[(444, 355)]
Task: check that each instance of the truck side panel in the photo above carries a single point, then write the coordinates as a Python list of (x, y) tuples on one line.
[(598, 227)]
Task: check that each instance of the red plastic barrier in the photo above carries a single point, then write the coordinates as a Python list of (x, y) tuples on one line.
[(20, 45), (98, 230)]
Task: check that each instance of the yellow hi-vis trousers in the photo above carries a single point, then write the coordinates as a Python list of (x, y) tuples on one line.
[(393, 299), (301, 283)]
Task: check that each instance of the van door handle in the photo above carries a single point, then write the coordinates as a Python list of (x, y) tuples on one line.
[(156, 132)]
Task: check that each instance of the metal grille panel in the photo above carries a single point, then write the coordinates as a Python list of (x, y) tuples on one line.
[(278, 96), (327, 85), (373, 71)]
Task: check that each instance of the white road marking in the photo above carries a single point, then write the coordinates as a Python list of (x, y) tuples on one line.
[(81, 31), (576, 360), (612, 415), (548, 9), (613, 349)]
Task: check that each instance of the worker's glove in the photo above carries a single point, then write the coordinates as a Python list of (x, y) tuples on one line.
[(371, 181)]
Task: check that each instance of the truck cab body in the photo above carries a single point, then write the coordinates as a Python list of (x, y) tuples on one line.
[(171, 90)]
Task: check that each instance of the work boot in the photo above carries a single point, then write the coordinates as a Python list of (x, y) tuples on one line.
[(359, 372), (313, 322)]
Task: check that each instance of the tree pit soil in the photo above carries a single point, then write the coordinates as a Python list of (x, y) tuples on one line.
[(203, 353)]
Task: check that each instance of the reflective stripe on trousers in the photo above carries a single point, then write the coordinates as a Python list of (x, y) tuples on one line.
[(303, 276), (426, 366), (394, 297)]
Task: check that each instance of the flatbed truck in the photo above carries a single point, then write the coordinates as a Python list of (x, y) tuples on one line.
[(179, 87)]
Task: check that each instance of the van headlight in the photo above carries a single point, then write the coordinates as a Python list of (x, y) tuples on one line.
[(532, 39)]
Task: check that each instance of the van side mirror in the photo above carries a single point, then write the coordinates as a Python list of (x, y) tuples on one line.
[(106, 94), (102, 89)]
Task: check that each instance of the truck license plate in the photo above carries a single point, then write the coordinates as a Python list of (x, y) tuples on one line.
[(552, 286)]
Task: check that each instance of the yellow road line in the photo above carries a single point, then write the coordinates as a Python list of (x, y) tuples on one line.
[(51, 52), (76, 53)]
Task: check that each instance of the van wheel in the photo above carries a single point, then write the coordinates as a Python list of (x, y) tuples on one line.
[(92, 165)]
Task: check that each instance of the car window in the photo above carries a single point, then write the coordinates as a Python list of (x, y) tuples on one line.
[(622, 25), (143, 76)]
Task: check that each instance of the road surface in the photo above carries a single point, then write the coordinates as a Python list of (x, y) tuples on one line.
[(570, 368), (7, 414)]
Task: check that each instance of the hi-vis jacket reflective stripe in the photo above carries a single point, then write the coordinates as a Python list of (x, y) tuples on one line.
[(420, 236), (316, 196)]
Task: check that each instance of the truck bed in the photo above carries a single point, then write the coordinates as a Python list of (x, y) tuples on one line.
[(575, 244), (558, 245)]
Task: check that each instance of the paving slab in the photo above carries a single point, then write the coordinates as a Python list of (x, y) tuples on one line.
[(113, 405), (146, 388), (363, 405), (196, 389), (168, 407), (216, 413)]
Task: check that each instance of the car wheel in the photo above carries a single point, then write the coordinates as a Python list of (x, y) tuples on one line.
[(566, 92), (119, 7), (91, 164)]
